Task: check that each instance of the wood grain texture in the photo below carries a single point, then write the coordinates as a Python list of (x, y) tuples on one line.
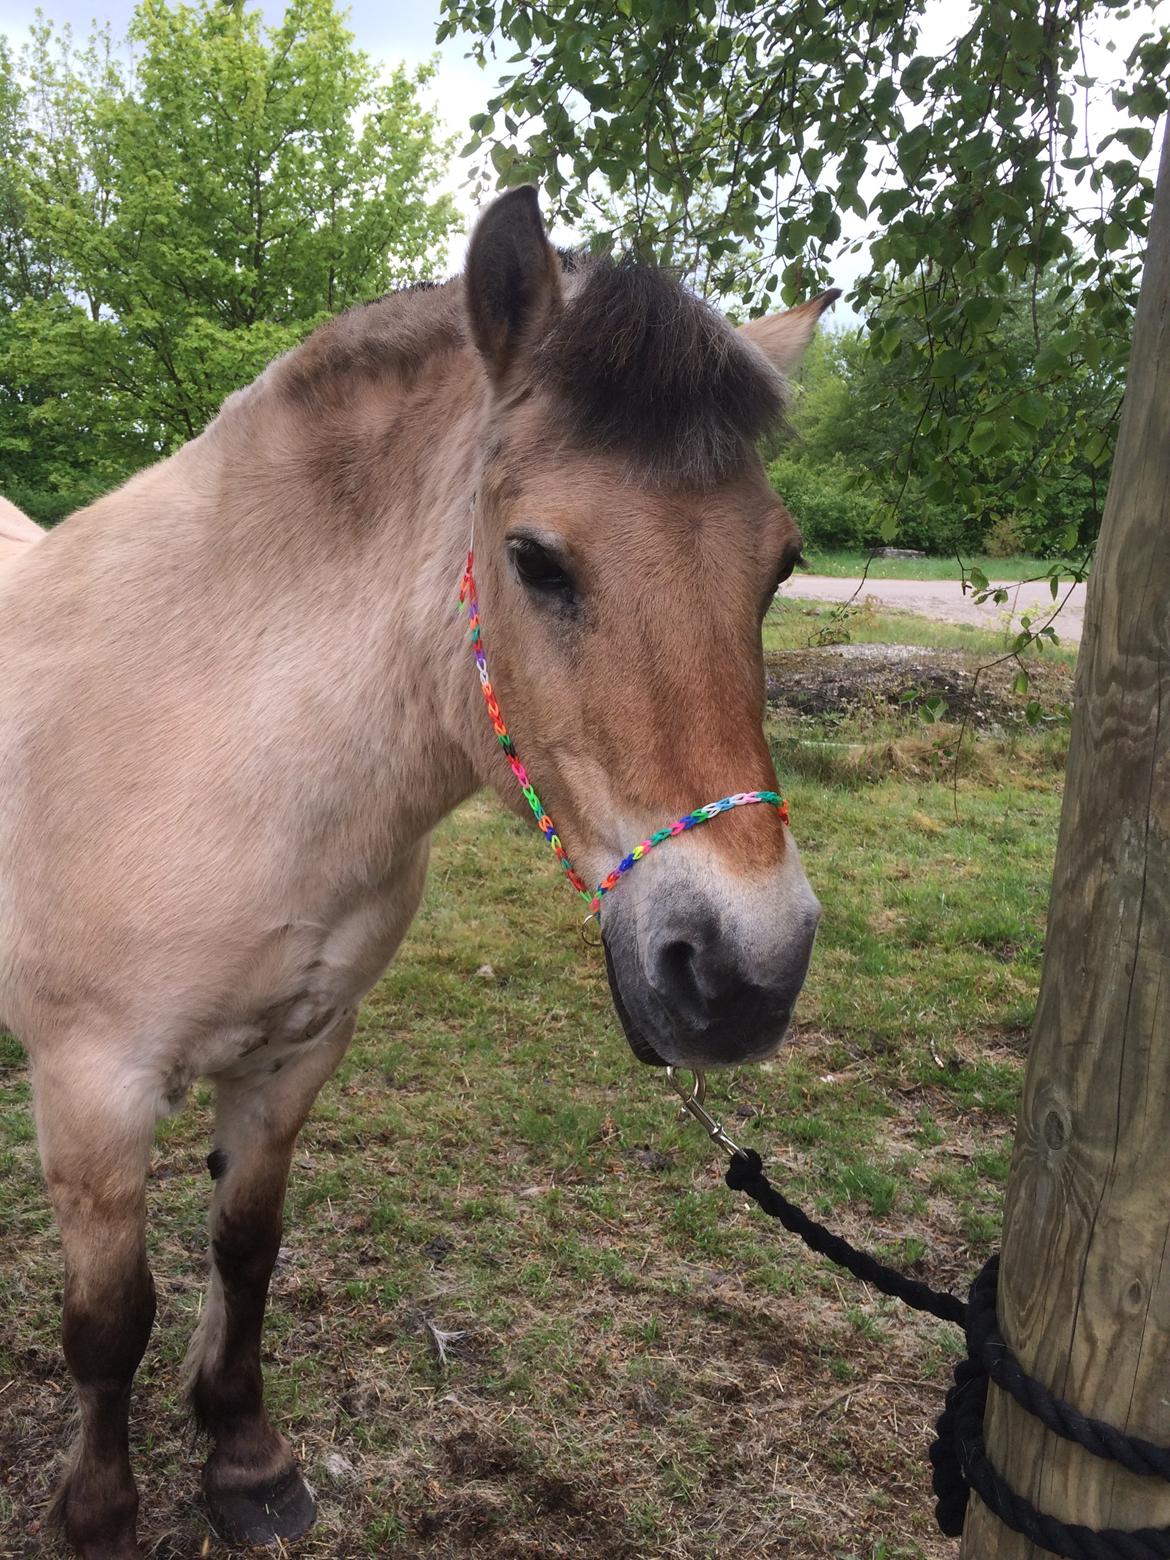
[(1085, 1296)]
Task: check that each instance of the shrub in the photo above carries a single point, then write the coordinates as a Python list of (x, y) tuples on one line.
[(829, 502), (1006, 538), (836, 506), (47, 508), (934, 527)]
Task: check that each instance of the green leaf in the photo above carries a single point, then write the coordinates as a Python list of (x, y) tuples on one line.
[(952, 364), (984, 436), (504, 159), (1031, 408), (1051, 360), (1137, 139)]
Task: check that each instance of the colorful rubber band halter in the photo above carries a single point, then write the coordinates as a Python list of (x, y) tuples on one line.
[(467, 599)]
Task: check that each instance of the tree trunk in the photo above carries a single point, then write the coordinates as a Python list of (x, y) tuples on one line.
[(1085, 1287)]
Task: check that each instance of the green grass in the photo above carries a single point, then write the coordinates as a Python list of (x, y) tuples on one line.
[(647, 1367), (851, 565), (793, 623)]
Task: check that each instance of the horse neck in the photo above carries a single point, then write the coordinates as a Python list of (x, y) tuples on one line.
[(375, 494)]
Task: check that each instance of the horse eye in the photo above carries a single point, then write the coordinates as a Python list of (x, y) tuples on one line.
[(793, 561), (539, 570)]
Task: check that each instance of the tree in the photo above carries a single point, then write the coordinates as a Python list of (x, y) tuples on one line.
[(966, 163), (854, 413), (174, 224), (1084, 1294), (670, 216)]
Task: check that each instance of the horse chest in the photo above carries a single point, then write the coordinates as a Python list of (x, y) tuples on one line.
[(288, 1028), (307, 981)]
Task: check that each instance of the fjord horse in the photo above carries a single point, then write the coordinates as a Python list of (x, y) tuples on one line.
[(17, 532), (236, 696)]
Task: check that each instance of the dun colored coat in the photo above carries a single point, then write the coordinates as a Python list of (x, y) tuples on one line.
[(236, 696)]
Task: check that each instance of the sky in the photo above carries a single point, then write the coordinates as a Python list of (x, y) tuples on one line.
[(389, 33), (386, 31), (393, 33)]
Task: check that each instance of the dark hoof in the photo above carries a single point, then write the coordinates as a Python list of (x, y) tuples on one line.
[(283, 1508)]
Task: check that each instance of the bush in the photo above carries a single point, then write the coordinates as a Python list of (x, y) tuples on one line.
[(829, 502), (836, 506), (1006, 539), (47, 508), (934, 528)]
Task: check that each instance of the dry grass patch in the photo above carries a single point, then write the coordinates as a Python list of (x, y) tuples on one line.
[(517, 1313)]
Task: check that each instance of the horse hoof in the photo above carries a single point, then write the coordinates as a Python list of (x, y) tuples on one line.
[(282, 1508)]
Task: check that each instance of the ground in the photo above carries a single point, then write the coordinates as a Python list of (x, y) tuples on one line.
[(856, 662), (947, 601), (517, 1313), (841, 563), (831, 683)]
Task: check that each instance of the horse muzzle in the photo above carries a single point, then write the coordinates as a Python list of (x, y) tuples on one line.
[(691, 989)]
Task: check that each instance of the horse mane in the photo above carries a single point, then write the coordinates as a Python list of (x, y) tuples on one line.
[(394, 337), (634, 364)]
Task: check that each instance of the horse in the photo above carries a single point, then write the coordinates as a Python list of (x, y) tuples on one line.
[(17, 531), (236, 697)]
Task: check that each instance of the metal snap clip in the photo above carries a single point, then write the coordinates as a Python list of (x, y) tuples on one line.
[(692, 1099)]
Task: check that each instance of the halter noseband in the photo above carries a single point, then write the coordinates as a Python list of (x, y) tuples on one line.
[(467, 598)]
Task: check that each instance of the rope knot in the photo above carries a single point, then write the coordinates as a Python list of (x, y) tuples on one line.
[(744, 1170), (959, 1457)]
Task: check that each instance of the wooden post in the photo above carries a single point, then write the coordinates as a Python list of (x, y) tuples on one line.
[(1085, 1287)]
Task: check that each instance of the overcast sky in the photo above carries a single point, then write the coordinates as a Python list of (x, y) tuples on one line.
[(389, 33), (393, 33)]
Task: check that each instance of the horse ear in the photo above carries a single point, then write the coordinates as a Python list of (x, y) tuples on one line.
[(513, 278), (782, 338)]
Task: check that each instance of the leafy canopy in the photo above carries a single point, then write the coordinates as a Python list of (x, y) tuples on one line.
[(970, 168), (169, 225), (852, 412)]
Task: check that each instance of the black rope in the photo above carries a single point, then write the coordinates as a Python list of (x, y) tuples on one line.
[(987, 1346), (746, 1174), (958, 1456)]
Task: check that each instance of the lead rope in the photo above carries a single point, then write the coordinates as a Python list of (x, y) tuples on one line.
[(958, 1455)]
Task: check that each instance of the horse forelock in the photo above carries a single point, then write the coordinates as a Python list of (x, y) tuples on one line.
[(638, 366)]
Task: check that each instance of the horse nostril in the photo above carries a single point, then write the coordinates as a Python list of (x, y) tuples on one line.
[(676, 961), (676, 977)]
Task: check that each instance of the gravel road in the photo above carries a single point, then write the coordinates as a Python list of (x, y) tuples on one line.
[(944, 601)]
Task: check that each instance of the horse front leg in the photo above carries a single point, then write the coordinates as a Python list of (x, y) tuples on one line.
[(254, 1490), (94, 1130)]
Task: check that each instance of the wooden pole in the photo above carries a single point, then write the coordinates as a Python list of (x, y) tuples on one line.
[(1085, 1288)]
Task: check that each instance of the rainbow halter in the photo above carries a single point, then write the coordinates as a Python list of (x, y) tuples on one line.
[(467, 598)]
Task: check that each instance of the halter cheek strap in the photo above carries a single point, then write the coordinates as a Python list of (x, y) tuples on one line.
[(467, 598)]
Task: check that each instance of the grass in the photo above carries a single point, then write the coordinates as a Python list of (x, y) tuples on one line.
[(793, 623), (643, 1367), (851, 565)]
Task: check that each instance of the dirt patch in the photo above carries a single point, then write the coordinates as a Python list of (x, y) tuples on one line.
[(499, 1501), (836, 681)]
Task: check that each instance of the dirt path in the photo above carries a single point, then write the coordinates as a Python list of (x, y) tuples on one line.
[(944, 601)]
